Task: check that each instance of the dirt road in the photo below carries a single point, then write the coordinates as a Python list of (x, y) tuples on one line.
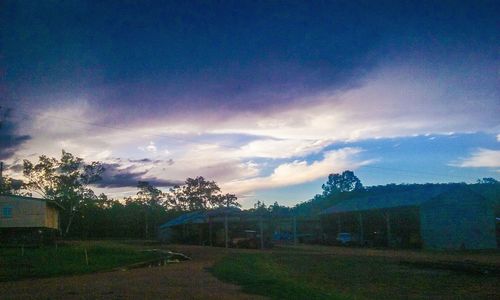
[(186, 280), (191, 279)]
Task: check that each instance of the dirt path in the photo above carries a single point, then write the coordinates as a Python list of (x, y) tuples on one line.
[(190, 279), (186, 280)]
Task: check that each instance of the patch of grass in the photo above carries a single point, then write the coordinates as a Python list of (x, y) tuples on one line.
[(299, 275), (262, 274), (67, 259)]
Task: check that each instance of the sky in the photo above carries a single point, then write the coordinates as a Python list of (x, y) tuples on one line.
[(265, 97)]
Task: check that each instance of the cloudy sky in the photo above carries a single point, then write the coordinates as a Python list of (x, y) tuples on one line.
[(265, 97)]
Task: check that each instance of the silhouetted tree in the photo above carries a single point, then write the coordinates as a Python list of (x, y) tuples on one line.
[(198, 193), (338, 183), (66, 181), (226, 200), (10, 186), (151, 198), (260, 207), (488, 180)]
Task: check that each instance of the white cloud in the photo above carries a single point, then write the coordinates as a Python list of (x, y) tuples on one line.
[(482, 158), (269, 148), (300, 171), (392, 102), (151, 147)]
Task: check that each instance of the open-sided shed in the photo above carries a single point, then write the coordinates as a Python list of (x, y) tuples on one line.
[(432, 216), (226, 226), (202, 217)]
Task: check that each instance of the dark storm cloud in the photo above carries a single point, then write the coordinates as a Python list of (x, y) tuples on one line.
[(239, 55), (10, 141), (116, 176), (153, 161)]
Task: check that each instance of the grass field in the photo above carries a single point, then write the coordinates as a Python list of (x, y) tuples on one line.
[(286, 274), (68, 259)]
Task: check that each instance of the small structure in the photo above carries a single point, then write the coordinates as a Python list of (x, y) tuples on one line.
[(433, 217), (233, 227), (27, 219), (192, 226)]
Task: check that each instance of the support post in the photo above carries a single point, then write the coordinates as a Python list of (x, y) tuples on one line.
[(226, 233), (361, 231), (295, 230), (200, 234), (261, 225), (1, 175), (388, 226), (210, 231)]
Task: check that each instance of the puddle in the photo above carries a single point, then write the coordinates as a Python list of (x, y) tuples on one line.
[(168, 257)]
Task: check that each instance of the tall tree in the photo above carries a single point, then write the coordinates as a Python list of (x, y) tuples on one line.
[(197, 194), (227, 200), (151, 198), (149, 194), (338, 183), (10, 186), (488, 180), (259, 208), (66, 181)]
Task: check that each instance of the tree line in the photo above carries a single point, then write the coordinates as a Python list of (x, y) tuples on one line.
[(69, 182)]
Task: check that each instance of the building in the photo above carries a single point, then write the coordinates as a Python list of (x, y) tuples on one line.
[(208, 227), (27, 219), (233, 227), (429, 216)]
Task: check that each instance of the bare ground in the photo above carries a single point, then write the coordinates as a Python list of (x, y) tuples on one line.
[(191, 279), (185, 280)]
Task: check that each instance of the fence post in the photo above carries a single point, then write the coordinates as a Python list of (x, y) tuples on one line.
[(86, 257)]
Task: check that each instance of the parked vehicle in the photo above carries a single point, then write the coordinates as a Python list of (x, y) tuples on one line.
[(346, 239), (249, 239)]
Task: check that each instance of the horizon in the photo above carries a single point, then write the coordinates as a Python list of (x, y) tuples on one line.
[(266, 99)]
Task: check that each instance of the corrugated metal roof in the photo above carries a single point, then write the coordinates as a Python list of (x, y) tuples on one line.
[(191, 217), (51, 202), (412, 197), (223, 210), (200, 216)]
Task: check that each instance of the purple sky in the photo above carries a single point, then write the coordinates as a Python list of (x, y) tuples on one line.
[(265, 98)]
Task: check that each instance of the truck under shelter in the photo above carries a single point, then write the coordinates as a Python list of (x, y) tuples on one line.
[(428, 216)]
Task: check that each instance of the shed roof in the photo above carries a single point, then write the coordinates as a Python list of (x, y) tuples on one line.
[(48, 201), (200, 216), (412, 197), (192, 217)]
